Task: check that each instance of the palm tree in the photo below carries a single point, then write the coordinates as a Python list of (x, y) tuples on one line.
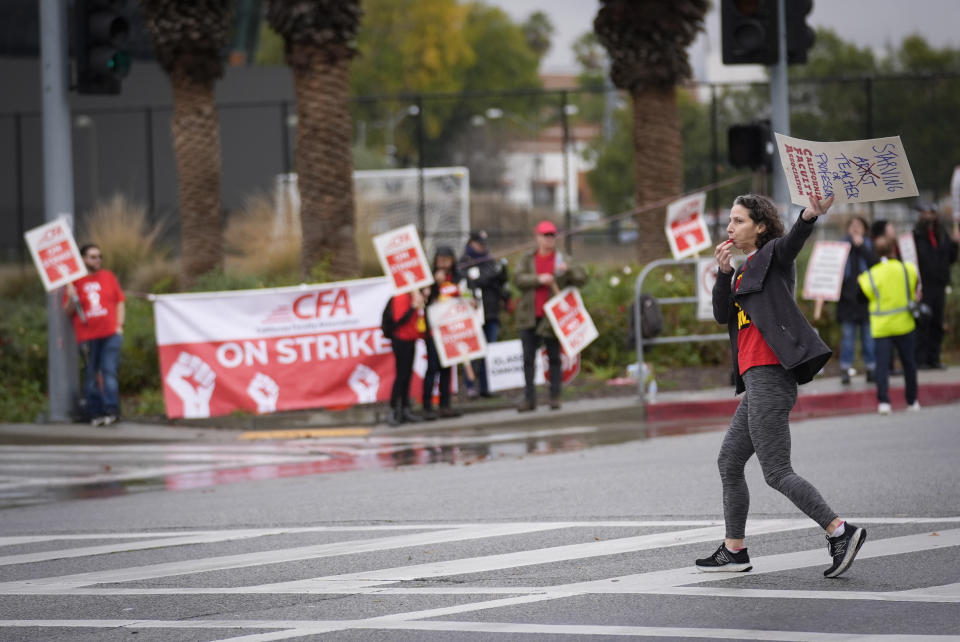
[(189, 38), (647, 42), (319, 44)]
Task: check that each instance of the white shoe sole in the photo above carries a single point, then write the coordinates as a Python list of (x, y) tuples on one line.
[(852, 549), (726, 568)]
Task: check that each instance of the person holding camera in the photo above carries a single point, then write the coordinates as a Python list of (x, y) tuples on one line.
[(889, 288)]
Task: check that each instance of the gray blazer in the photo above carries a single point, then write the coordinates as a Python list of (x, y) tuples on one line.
[(766, 294)]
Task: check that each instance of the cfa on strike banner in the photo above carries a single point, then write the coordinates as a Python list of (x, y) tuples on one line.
[(403, 259), (55, 253), (853, 171), (274, 349)]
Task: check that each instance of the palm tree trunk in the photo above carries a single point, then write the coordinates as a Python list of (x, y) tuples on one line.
[(324, 161), (196, 144), (659, 164)]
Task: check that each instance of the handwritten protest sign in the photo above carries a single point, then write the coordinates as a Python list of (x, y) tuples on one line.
[(570, 321), (854, 171), (686, 226), (824, 276), (55, 254), (457, 332), (403, 259)]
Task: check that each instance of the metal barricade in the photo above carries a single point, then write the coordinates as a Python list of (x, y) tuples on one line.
[(638, 318)]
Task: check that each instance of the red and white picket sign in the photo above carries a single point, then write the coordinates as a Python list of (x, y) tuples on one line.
[(274, 349), (457, 331), (824, 277), (686, 226), (569, 366), (55, 254), (403, 259), (570, 321)]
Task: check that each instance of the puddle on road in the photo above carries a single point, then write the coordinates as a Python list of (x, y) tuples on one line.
[(307, 457)]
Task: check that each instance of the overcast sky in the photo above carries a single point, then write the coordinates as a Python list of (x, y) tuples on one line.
[(874, 23)]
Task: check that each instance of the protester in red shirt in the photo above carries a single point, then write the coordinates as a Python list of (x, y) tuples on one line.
[(96, 303), (409, 327), (774, 350), (539, 275)]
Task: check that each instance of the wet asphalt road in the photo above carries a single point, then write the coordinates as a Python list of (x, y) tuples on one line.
[(579, 534)]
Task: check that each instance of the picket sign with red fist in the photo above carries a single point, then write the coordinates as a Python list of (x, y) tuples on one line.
[(55, 253), (457, 331), (403, 260), (686, 226), (570, 320)]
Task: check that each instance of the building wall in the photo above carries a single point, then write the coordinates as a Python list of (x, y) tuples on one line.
[(123, 144)]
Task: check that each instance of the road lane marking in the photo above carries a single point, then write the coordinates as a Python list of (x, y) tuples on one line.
[(669, 582), (260, 558)]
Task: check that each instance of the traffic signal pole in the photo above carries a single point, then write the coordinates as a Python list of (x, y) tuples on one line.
[(57, 197), (779, 108)]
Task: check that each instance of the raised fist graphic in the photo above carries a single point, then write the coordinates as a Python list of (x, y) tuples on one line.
[(193, 380), (265, 391), (365, 383)]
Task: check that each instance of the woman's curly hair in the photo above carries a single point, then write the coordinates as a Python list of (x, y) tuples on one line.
[(762, 210)]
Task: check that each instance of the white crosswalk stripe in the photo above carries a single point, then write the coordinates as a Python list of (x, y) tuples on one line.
[(368, 543)]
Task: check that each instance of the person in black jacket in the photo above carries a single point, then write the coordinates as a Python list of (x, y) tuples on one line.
[(852, 313), (936, 251), (487, 281), (774, 349)]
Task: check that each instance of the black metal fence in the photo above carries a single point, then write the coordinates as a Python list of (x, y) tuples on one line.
[(528, 152)]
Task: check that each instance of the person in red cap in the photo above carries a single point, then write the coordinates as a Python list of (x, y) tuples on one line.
[(539, 275)]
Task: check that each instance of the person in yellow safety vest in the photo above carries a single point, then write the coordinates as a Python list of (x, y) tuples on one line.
[(888, 288)]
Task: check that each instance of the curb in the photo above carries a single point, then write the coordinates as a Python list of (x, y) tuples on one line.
[(817, 404)]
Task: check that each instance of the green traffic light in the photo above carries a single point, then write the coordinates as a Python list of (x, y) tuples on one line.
[(119, 63)]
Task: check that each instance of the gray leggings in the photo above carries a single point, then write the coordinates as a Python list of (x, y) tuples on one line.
[(761, 425)]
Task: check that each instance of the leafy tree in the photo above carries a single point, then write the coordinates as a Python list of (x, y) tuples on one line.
[(189, 38), (502, 61), (538, 30), (319, 44), (647, 41)]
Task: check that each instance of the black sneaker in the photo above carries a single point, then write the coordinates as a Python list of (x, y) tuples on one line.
[(844, 548), (725, 561)]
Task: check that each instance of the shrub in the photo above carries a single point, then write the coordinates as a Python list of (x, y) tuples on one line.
[(259, 244), (125, 236), (139, 364)]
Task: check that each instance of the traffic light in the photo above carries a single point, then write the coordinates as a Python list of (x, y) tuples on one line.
[(749, 31), (101, 29), (800, 36), (749, 146)]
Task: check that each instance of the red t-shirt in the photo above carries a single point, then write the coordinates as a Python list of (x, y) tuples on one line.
[(99, 294), (411, 329), (544, 264), (752, 348)]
